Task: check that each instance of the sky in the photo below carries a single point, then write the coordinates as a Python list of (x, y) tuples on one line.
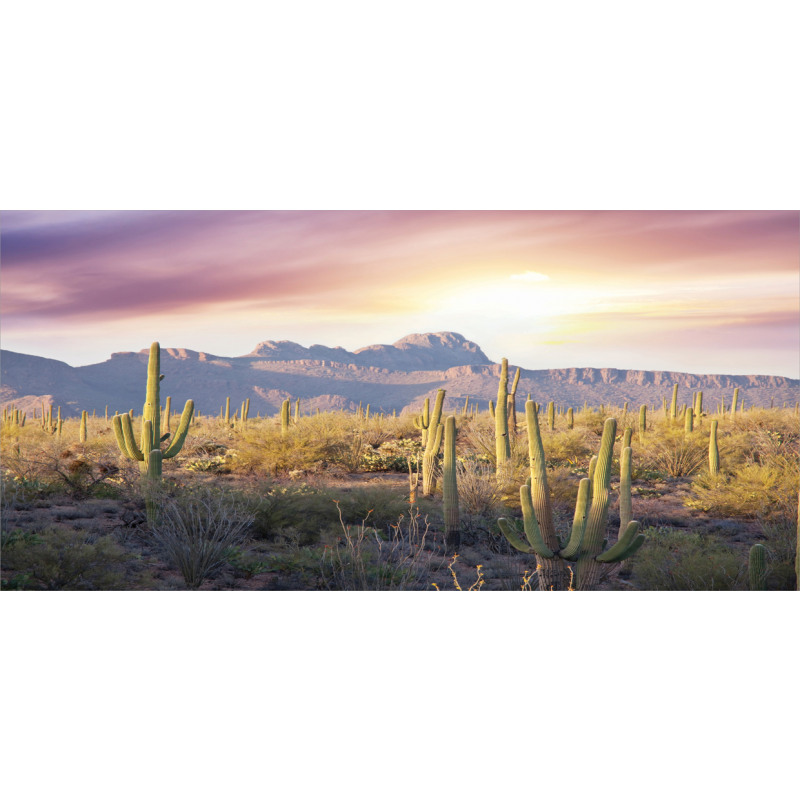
[(705, 291)]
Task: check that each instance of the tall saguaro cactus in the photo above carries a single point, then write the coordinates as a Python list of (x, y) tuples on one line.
[(586, 540), (502, 444), (435, 432), (512, 402), (150, 439), (757, 568), (713, 449), (450, 486)]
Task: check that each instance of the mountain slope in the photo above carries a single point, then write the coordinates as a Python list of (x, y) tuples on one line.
[(387, 377)]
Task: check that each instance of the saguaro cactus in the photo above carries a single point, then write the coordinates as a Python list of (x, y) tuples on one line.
[(452, 527), (673, 409), (502, 444), (432, 445), (570, 418), (551, 416), (757, 566), (83, 426), (512, 402), (285, 416), (688, 424), (586, 541), (735, 401), (423, 421), (150, 440), (713, 449)]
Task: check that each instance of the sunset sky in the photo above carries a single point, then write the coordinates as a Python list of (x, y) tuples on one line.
[(715, 292)]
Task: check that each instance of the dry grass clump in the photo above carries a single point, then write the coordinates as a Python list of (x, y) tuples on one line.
[(753, 491), (478, 492), (673, 452), (196, 529), (569, 446), (364, 559), (675, 560)]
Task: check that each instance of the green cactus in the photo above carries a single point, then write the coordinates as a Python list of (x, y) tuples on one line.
[(228, 411), (688, 425), (151, 423), (551, 416), (450, 486), (512, 403), (735, 401), (673, 409), (423, 421), (642, 421), (491, 408), (625, 505), (627, 435), (713, 450), (586, 541), (570, 419), (502, 443), (433, 443), (83, 426), (757, 567), (698, 405), (285, 416), (167, 413)]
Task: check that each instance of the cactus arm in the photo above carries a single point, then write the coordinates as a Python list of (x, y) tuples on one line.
[(598, 513), (573, 548), (540, 491), (180, 434), (632, 548), (131, 448), (512, 536), (532, 532), (617, 551), (625, 505), (116, 422)]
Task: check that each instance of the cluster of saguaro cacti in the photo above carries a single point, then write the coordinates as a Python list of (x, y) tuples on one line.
[(584, 547), (13, 416), (433, 431), (148, 452)]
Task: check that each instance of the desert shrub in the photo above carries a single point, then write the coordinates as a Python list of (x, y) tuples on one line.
[(55, 559), (478, 492), (380, 505), (363, 559), (674, 453), (674, 560), (392, 456), (296, 511), (755, 490), (196, 529), (569, 447)]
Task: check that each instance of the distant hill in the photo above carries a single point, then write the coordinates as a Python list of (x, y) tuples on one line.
[(388, 377)]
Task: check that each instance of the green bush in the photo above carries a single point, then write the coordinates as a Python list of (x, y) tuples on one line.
[(54, 559), (672, 559)]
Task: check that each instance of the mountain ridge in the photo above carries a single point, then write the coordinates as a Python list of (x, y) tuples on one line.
[(389, 377)]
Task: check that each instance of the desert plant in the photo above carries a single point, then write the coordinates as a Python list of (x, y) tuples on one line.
[(677, 560), (502, 446), (56, 559), (450, 486), (363, 560), (195, 531), (757, 568), (586, 542), (150, 440)]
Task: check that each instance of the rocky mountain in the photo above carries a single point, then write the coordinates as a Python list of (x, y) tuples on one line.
[(388, 377)]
